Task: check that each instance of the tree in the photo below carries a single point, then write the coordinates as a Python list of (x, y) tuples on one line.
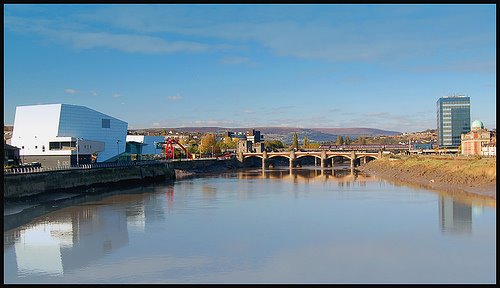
[(314, 145), (208, 144), (361, 140), (274, 144), (347, 140), (306, 143), (295, 141), (340, 140), (193, 148), (229, 143)]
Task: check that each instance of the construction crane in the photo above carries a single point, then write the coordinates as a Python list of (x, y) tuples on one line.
[(170, 149)]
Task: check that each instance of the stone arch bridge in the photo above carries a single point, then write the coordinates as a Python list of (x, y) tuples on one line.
[(323, 156)]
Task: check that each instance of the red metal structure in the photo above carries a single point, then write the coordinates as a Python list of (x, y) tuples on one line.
[(170, 149)]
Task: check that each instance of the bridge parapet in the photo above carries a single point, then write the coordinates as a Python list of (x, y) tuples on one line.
[(322, 155)]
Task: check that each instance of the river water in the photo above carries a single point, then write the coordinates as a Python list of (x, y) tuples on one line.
[(253, 226)]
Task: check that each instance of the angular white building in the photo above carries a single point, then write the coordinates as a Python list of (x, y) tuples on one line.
[(63, 134), (149, 143)]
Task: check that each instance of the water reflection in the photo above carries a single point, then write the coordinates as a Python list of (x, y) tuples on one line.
[(70, 240), (225, 226), (454, 217), (74, 237), (303, 174)]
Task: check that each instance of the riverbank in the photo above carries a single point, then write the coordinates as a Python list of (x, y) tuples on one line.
[(24, 185), (190, 169), (451, 174)]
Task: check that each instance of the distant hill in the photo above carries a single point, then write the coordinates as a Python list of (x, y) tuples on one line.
[(285, 134)]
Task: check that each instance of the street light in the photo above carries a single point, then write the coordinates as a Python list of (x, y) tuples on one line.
[(77, 148), (117, 147)]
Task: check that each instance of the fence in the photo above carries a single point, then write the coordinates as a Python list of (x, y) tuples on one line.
[(24, 170)]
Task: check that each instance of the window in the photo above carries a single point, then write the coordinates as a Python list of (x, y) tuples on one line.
[(106, 123), (43, 148), (36, 147), (55, 146)]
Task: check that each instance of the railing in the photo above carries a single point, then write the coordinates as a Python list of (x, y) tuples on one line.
[(27, 170)]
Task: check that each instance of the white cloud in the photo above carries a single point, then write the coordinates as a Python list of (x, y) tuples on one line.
[(224, 123), (116, 95), (235, 60), (132, 43), (174, 98), (335, 33), (70, 91), (467, 66), (93, 93)]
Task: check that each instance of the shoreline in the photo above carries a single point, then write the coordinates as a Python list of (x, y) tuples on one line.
[(449, 176)]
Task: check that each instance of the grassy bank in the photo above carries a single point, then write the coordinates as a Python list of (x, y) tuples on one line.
[(472, 174)]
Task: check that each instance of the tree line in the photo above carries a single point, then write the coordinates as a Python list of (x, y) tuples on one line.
[(211, 144)]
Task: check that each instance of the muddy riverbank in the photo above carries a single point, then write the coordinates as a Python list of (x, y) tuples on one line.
[(451, 174)]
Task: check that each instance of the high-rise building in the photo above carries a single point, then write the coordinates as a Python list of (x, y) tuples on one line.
[(453, 119)]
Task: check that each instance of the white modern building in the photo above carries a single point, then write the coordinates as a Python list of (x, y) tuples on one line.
[(150, 144), (63, 134)]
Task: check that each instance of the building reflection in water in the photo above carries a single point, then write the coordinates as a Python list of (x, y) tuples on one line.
[(70, 240), (75, 236), (454, 216)]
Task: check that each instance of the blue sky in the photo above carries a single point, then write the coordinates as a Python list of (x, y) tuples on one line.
[(322, 65)]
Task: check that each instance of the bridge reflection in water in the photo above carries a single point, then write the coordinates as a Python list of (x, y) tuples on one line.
[(309, 174), (80, 232)]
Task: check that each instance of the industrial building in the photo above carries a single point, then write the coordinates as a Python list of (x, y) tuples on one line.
[(453, 119), (254, 142), (63, 134)]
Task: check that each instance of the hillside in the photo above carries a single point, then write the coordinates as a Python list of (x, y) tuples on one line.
[(285, 134)]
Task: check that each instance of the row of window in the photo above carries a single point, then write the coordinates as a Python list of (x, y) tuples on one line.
[(36, 147), (61, 146)]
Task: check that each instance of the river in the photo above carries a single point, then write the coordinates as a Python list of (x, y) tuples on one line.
[(253, 226)]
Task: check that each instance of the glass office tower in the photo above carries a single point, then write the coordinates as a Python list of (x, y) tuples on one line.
[(453, 119)]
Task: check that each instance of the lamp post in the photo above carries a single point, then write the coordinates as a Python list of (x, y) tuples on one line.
[(77, 152), (117, 147), (77, 156)]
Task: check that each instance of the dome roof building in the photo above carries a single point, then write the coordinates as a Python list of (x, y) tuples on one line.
[(476, 124), (478, 141)]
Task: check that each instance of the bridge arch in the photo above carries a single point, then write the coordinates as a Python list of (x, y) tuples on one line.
[(255, 155), (279, 160), (277, 156), (341, 156), (252, 160), (305, 159), (309, 155)]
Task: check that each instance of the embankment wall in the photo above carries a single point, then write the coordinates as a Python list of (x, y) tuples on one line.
[(23, 185), (29, 184), (207, 166)]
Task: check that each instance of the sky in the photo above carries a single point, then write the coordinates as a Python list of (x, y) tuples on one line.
[(240, 65)]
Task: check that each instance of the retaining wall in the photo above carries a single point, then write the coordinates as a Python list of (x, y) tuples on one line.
[(22, 185), (207, 165)]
